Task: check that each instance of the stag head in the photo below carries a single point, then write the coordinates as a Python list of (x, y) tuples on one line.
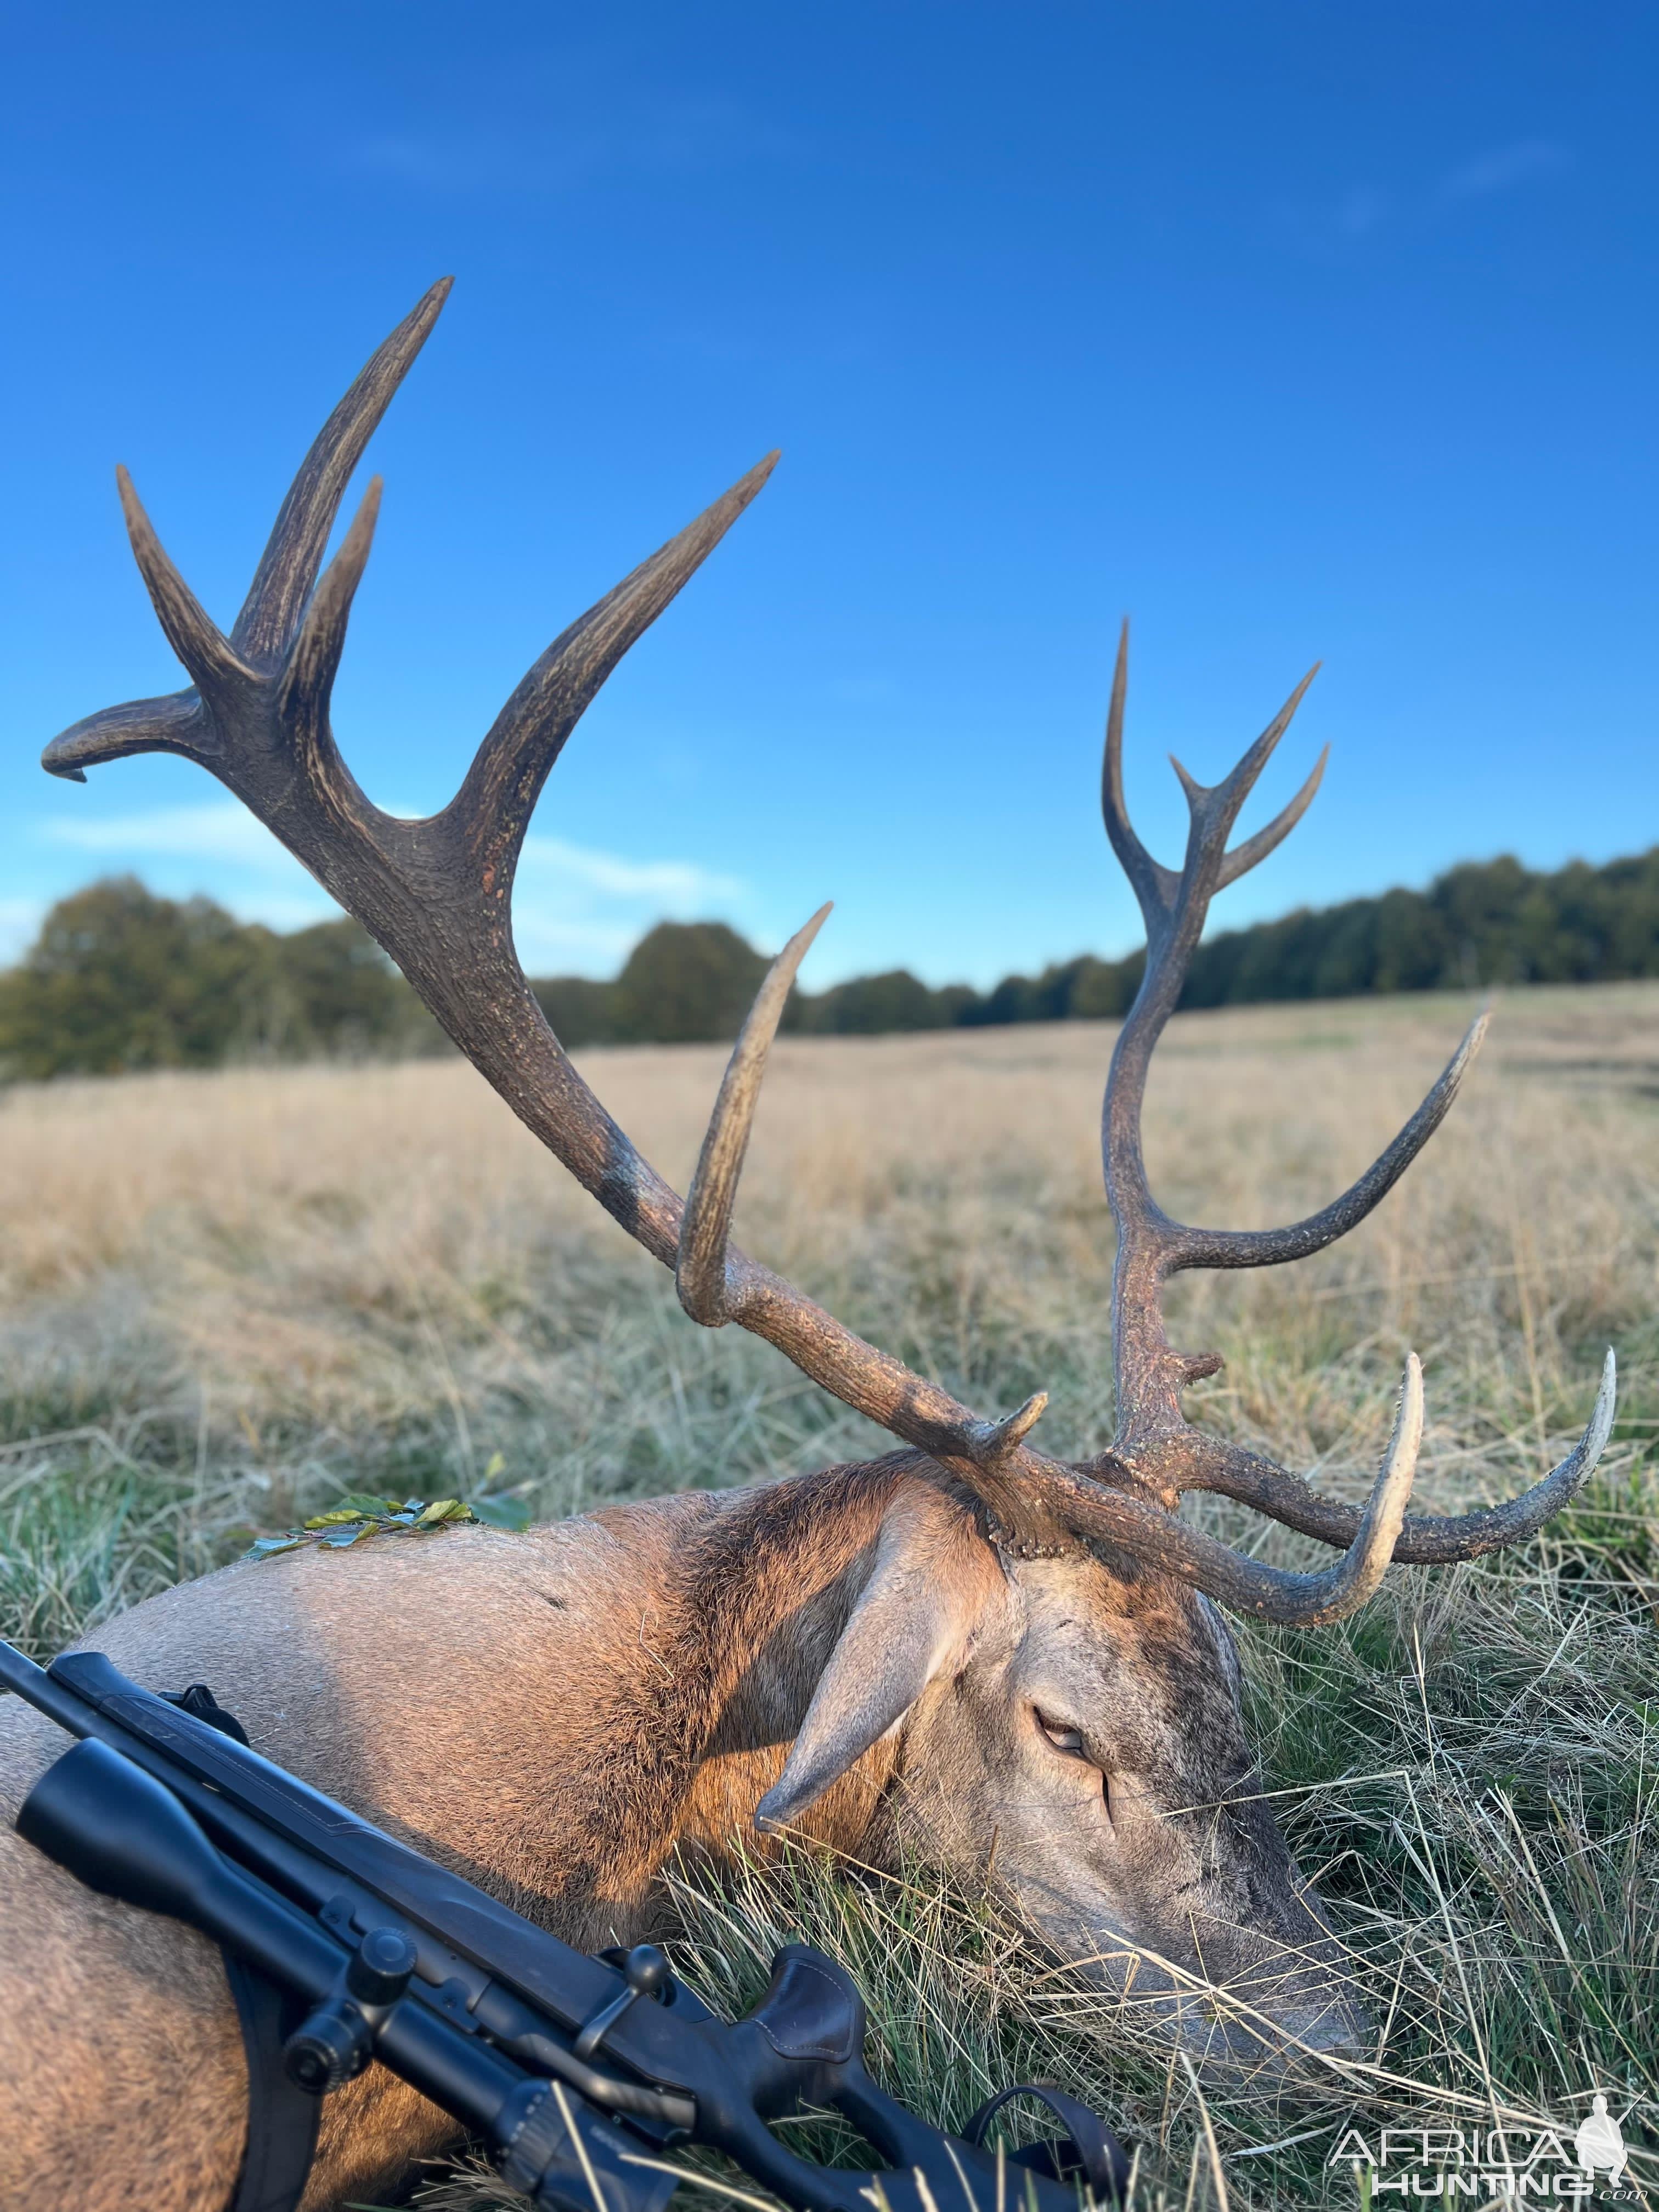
[(1070, 1707)]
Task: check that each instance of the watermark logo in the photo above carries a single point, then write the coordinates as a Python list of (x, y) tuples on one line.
[(1600, 2142), (1511, 2165)]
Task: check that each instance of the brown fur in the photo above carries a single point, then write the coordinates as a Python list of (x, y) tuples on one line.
[(550, 1714), (530, 1709)]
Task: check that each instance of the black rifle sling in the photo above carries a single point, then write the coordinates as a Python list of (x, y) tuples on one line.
[(281, 2119)]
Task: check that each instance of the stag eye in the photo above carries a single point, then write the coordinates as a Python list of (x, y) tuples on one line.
[(1068, 1740)]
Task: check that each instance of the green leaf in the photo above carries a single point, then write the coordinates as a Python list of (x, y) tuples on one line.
[(502, 1512), (337, 1538), (267, 1548), (364, 1507), (334, 1518), (442, 1510)]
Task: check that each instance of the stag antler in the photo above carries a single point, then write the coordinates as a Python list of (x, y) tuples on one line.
[(436, 896), (1154, 1440)]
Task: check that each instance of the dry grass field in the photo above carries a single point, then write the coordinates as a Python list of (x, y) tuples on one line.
[(227, 1298)]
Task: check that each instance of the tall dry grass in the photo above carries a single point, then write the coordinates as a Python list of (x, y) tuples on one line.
[(225, 1298)]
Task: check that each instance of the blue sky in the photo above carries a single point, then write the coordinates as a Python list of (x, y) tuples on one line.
[(1295, 331)]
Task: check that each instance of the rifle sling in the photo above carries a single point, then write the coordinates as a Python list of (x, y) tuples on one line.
[(281, 2119)]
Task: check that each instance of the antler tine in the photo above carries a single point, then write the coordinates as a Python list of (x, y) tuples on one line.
[(705, 1224), (180, 722), (1154, 886), (713, 1291), (1268, 1247), (1150, 1375), (1215, 807), (174, 724), (1103, 1515), (288, 568), (314, 659), (435, 895), (1345, 1588), (205, 651), (1255, 849), (1155, 1444), (224, 669), (1425, 1540), (993, 1441), (491, 810)]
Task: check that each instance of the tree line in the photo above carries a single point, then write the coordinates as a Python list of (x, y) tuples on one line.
[(120, 979)]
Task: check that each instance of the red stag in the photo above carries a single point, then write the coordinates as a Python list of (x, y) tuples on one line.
[(1007, 1657)]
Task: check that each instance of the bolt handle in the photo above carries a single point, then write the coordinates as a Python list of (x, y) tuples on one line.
[(645, 1970)]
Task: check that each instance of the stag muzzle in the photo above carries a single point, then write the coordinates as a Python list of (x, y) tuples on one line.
[(1279, 2013)]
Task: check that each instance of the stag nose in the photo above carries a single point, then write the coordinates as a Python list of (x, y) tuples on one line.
[(1330, 2026), (1262, 2058), (1341, 2033), (1273, 2026)]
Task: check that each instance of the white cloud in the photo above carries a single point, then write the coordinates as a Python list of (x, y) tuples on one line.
[(217, 829), (550, 946), (1362, 210), (574, 908), (277, 912), (608, 127), (674, 882), (1504, 167)]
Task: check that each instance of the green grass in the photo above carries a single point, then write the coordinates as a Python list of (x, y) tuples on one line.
[(1468, 1767)]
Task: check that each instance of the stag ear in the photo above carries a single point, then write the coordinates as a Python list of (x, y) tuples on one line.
[(914, 1619)]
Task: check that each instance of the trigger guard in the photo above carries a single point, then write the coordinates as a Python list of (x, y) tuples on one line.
[(1095, 2152)]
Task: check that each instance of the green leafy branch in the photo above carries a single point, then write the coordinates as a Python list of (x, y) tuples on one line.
[(356, 1517)]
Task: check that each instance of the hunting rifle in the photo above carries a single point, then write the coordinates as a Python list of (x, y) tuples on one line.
[(577, 2073)]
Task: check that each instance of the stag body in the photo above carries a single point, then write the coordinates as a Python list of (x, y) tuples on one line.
[(553, 1714), (975, 1643)]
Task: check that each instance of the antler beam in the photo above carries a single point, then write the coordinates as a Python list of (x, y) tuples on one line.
[(436, 894)]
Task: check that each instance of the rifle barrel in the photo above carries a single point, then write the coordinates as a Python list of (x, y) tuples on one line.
[(36, 1688)]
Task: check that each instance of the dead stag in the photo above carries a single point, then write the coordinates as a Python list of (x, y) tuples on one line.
[(1011, 1658)]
